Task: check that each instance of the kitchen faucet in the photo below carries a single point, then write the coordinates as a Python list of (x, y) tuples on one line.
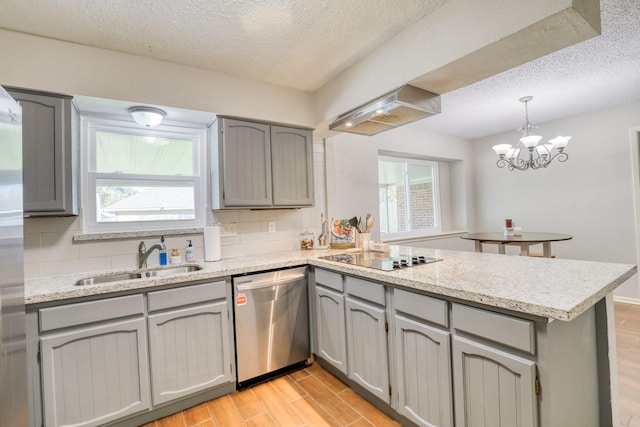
[(143, 253)]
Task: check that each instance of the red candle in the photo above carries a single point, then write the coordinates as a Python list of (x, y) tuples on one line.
[(508, 223)]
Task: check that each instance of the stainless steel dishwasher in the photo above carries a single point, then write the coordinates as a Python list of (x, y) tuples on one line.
[(271, 323)]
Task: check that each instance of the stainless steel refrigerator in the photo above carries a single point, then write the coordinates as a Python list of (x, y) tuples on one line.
[(13, 360)]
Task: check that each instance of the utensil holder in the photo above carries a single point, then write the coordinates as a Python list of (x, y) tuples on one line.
[(364, 241)]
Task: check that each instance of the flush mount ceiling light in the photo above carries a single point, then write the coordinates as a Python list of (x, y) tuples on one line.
[(147, 116), (540, 155)]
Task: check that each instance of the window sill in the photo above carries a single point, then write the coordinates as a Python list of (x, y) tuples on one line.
[(80, 238), (442, 235)]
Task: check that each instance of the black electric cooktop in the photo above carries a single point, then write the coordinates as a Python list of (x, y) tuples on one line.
[(381, 261)]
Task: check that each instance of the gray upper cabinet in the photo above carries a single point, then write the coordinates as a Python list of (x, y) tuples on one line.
[(259, 165), (50, 157), (292, 166), (246, 164)]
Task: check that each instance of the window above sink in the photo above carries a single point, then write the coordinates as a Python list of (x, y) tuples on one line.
[(139, 178)]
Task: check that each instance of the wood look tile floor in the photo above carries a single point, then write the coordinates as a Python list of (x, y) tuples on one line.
[(307, 397), (628, 348), (314, 397)]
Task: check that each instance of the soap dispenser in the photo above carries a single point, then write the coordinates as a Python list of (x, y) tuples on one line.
[(190, 253), (163, 252)]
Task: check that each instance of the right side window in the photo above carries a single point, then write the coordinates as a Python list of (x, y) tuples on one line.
[(409, 199)]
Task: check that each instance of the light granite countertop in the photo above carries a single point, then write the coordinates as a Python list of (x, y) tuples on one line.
[(550, 288)]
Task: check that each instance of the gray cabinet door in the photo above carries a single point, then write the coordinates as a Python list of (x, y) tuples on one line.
[(246, 156), (423, 373), (190, 351), (367, 357), (94, 375), (292, 166), (49, 167), (330, 327), (492, 388)]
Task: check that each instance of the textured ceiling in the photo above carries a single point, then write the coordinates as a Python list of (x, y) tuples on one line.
[(304, 44), (297, 44), (597, 73)]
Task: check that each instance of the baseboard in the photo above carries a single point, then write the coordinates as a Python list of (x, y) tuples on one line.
[(626, 300)]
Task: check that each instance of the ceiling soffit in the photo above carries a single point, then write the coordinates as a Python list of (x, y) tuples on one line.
[(549, 35)]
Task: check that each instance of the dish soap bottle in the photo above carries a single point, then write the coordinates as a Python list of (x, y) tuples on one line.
[(163, 252), (190, 253)]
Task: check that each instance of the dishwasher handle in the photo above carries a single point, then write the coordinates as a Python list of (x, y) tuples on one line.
[(249, 285)]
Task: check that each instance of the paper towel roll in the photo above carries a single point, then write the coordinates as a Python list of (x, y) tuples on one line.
[(212, 251)]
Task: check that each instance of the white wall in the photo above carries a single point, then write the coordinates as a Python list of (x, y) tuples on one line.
[(57, 66), (590, 196), (352, 170)]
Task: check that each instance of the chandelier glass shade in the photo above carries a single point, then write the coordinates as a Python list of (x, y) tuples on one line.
[(529, 152)]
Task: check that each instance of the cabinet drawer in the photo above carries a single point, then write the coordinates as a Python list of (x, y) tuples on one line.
[(507, 330), (329, 279), (160, 300), (421, 306), (370, 291), (88, 312)]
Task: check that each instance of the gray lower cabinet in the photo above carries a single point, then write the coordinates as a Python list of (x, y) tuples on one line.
[(189, 341), (453, 364), (94, 362), (494, 377), (493, 388), (109, 360), (422, 359), (260, 165), (367, 352), (49, 129), (330, 322)]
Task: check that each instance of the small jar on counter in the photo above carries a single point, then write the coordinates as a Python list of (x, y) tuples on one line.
[(306, 240), (175, 256)]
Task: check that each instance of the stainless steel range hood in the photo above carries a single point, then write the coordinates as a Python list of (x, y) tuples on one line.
[(396, 108)]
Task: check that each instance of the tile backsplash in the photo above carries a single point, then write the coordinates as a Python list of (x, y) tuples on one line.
[(50, 251)]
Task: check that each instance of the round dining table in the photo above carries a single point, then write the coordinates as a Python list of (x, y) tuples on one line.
[(525, 240)]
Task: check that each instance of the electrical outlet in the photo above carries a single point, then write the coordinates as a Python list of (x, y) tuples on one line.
[(228, 230), (272, 227)]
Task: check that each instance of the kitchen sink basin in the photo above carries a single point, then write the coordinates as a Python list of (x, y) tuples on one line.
[(157, 272), (170, 271), (108, 278)]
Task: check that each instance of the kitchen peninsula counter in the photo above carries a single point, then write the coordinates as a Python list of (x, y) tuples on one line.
[(548, 322), (550, 288)]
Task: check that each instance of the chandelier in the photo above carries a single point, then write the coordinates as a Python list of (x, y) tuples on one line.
[(528, 153)]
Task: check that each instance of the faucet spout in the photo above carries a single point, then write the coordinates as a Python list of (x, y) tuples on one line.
[(143, 253)]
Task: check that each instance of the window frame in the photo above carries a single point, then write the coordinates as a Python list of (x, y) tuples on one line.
[(91, 124), (408, 159)]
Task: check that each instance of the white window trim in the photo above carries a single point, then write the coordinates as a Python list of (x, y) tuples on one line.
[(424, 232), (90, 124)]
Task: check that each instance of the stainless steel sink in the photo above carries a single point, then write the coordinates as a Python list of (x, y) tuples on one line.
[(108, 278), (141, 274), (170, 271)]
